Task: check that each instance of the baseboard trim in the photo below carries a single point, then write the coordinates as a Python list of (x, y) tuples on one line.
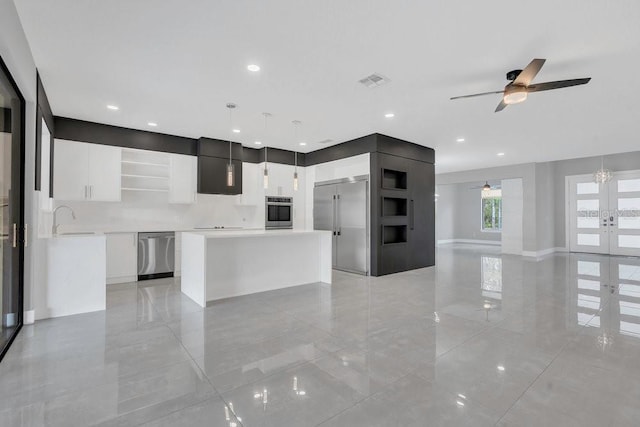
[(29, 317), (543, 252), (472, 241)]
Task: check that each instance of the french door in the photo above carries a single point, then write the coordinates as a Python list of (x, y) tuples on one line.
[(11, 211), (605, 218)]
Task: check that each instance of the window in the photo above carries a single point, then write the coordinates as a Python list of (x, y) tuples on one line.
[(491, 210)]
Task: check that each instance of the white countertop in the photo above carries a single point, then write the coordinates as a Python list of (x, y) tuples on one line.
[(69, 229), (254, 233)]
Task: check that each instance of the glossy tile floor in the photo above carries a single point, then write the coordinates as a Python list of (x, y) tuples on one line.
[(483, 339)]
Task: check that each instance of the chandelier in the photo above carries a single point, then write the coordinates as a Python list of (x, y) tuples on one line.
[(602, 175)]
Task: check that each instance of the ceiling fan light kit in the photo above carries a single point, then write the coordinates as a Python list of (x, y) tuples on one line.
[(515, 95), (519, 86)]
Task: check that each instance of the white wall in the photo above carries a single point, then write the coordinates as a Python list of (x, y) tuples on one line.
[(459, 213), (512, 203), (16, 53), (528, 174)]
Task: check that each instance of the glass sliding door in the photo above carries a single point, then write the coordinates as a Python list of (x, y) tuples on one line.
[(11, 212)]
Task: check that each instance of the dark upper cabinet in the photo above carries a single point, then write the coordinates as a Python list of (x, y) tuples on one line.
[(212, 176)]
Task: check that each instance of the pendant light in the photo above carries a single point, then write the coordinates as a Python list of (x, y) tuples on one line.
[(486, 186), (231, 178), (265, 178), (296, 123), (602, 175)]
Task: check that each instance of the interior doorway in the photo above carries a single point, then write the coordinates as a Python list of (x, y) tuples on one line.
[(11, 210), (604, 218)]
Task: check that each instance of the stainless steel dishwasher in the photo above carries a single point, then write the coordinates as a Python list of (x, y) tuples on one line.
[(156, 255)]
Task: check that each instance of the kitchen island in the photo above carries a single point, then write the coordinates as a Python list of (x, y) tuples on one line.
[(223, 265)]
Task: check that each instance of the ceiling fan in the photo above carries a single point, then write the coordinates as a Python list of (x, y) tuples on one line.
[(520, 86)]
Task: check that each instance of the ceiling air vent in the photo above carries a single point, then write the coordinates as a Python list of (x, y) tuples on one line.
[(374, 80), (325, 141)]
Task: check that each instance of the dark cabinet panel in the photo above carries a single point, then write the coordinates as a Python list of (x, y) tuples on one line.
[(421, 215), (406, 214), (212, 176)]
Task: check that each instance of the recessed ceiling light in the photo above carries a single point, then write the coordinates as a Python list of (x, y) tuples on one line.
[(152, 124), (500, 368), (303, 143), (113, 107), (389, 115), (253, 67), (258, 143), (460, 140), (236, 131), (500, 154)]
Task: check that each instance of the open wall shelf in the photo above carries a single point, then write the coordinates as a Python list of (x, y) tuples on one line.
[(394, 180), (394, 234), (145, 171), (394, 206)]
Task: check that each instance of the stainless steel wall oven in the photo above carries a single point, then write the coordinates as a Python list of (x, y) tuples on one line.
[(278, 212)]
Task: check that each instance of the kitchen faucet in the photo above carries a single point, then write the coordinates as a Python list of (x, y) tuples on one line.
[(54, 228)]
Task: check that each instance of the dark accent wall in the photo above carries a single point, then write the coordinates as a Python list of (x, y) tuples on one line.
[(43, 112)]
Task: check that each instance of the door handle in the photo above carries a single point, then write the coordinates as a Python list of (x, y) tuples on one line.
[(15, 235), (339, 231), (411, 213), (91, 191), (86, 194), (26, 235)]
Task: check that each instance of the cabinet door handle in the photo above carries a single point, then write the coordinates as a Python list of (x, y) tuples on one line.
[(91, 191), (412, 213), (86, 194), (26, 235), (15, 235)]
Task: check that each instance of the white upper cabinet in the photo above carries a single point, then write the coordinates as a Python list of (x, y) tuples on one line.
[(183, 175), (70, 170), (104, 173), (86, 171)]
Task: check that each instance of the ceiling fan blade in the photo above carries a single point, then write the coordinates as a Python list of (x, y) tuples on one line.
[(539, 87), (478, 94), (529, 73), (501, 106)]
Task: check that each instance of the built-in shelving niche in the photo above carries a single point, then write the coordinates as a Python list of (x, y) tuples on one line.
[(394, 206), (394, 180), (144, 173), (394, 234)]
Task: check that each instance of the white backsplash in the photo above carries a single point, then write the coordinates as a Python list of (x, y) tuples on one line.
[(147, 211)]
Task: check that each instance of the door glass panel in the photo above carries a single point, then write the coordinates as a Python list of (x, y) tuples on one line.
[(588, 222), (11, 146), (589, 239), (629, 241), (629, 223), (587, 188), (629, 204), (588, 205), (628, 185)]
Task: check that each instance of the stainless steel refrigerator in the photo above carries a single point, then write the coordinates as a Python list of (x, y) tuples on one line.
[(342, 207)]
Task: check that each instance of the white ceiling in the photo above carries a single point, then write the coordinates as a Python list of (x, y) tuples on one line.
[(178, 63)]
